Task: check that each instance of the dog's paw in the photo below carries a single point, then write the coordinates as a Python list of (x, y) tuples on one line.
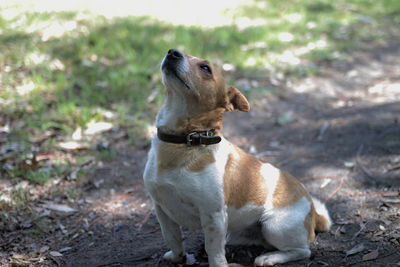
[(264, 260), (171, 257)]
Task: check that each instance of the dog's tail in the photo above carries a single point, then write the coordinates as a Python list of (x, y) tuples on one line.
[(322, 220)]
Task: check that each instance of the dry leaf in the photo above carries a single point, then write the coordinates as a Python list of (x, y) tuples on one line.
[(72, 145), (371, 256), (65, 249), (355, 250), (97, 127), (42, 136), (59, 207), (44, 249), (55, 254), (77, 134), (19, 256)]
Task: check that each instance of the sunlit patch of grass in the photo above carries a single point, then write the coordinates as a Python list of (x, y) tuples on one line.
[(40, 176), (20, 197)]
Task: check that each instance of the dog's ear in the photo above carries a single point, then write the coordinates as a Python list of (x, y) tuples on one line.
[(237, 101)]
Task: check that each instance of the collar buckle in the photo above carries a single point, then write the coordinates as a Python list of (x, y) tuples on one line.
[(191, 137)]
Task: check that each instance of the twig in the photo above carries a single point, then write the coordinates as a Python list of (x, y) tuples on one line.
[(362, 227), (55, 260), (358, 161), (145, 220), (385, 256), (393, 168), (379, 193), (319, 177), (337, 231), (337, 189), (125, 261), (322, 130)]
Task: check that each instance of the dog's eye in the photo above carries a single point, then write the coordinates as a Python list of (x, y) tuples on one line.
[(205, 68)]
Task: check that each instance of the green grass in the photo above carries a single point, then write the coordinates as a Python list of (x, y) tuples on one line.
[(100, 65)]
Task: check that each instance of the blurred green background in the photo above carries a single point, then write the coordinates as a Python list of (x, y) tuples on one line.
[(66, 66)]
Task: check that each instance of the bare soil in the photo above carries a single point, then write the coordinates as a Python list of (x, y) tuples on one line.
[(338, 132)]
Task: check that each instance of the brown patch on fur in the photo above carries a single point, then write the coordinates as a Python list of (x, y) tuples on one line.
[(201, 162), (288, 191), (172, 156), (321, 223), (202, 122), (309, 224), (243, 182)]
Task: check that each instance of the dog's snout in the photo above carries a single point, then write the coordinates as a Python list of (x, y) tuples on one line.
[(174, 54)]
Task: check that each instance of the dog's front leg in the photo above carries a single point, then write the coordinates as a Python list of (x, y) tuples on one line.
[(172, 235), (214, 226)]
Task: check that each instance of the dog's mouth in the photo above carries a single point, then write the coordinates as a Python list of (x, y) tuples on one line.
[(170, 70), (180, 79)]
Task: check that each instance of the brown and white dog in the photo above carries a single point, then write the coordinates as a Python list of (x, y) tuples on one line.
[(214, 185)]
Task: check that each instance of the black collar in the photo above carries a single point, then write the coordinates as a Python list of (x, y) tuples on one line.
[(195, 138)]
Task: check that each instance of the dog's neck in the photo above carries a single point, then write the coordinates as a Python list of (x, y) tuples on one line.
[(173, 108), (174, 117)]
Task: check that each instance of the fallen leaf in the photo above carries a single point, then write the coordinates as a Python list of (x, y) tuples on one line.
[(371, 256), (59, 207), (55, 254), (42, 136), (65, 249), (355, 250), (349, 164), (77, 134), (44, 249), (73, 145), (18, 256), (97, 127), (5, 129), (325, 182)]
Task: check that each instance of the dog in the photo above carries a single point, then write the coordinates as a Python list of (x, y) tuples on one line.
[(199, 180)]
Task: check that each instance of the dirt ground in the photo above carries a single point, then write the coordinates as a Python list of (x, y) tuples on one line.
[(338, 132)]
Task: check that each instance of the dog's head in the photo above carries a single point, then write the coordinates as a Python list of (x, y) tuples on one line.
[(202, 86)]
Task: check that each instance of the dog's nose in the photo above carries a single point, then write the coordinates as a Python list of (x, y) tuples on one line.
[(174, 54)]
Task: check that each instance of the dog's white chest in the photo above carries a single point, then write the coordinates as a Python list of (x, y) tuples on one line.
[(182, 194), (175, 203)]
